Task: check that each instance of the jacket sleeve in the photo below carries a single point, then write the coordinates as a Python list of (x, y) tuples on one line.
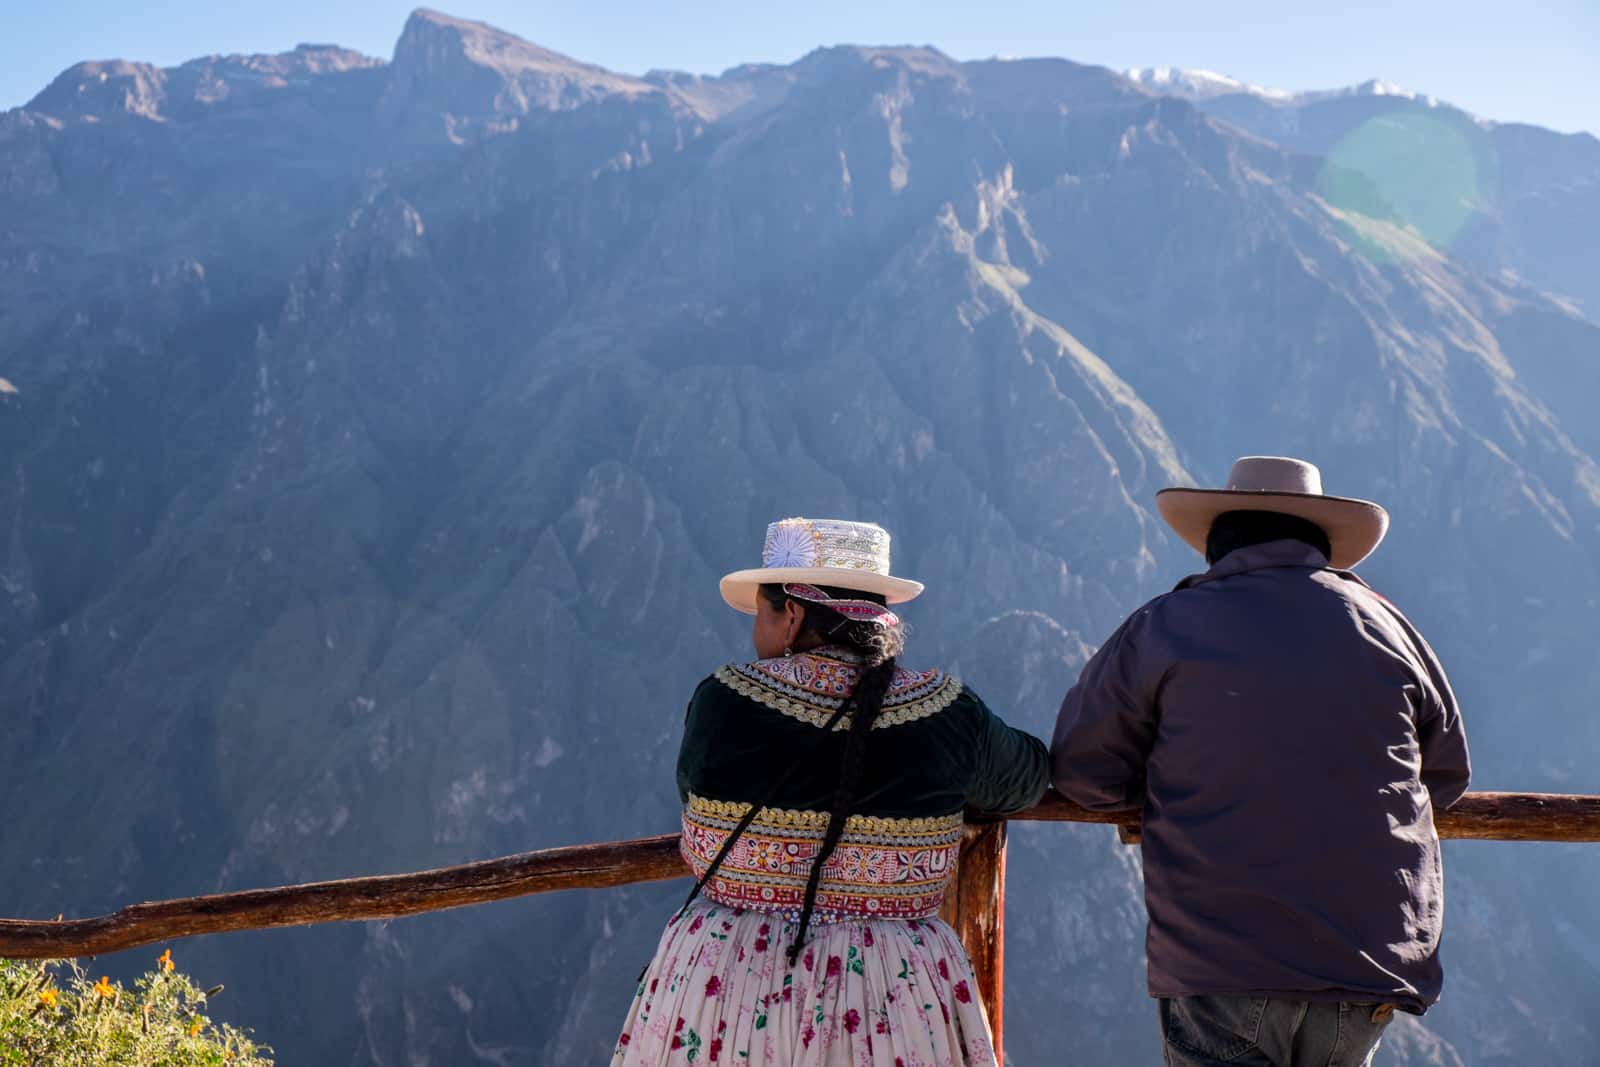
[(698, 729), (1441, 735), (1106, 726), (1013, 766)]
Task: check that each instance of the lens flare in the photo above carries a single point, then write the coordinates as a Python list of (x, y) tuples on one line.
[(1408, 174)]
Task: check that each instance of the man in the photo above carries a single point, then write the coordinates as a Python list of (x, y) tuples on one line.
[(1289, 735)]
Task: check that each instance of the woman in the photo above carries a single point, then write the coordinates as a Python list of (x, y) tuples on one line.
[(823, 789)]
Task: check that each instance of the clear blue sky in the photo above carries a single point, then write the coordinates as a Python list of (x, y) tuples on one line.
[(1512, 60)]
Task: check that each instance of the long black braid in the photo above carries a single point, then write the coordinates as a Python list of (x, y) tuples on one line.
[(879, 646)]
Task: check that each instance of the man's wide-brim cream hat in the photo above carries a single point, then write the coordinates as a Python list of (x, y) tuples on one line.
[(1288, 486), (833, 552)]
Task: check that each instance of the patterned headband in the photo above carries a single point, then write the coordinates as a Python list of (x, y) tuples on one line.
[(854, 610)]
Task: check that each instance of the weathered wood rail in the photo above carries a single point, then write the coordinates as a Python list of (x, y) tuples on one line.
[(976, 908)]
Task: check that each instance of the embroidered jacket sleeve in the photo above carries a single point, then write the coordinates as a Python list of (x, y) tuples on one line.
[(1013, 766), (1106, 726)]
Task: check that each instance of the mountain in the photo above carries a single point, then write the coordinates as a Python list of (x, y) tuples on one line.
[(1198, 85), (1507, 199), (379, 431)]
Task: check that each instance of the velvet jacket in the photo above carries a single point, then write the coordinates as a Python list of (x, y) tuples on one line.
[(936, 749), (935, 752)]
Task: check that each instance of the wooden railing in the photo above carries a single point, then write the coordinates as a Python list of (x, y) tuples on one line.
[(976, 908)]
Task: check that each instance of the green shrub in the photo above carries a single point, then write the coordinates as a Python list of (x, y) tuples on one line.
[(52, 1015)]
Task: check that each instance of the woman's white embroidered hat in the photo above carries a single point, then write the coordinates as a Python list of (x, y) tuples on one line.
[(1289, 486), (846, 555)]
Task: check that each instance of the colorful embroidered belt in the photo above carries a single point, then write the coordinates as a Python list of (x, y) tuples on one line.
[(882, 868)]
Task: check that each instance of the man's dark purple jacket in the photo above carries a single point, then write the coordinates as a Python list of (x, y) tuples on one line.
[(1289, 734)]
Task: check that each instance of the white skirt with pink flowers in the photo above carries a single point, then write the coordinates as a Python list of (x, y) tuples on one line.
[(871, 993)]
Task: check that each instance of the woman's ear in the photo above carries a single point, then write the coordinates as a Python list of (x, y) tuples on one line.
[(794, 621)]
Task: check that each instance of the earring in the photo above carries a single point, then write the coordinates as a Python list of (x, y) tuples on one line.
[(787, 651)]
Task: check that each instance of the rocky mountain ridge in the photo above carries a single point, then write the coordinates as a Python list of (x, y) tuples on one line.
[(380, 431), (1196, 85)]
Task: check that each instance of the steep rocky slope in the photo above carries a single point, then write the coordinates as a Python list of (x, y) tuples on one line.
[(381, 429)]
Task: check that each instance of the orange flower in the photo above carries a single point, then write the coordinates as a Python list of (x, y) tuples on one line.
[(196, 1026), (48, 997), (165, 961), (104, 987)]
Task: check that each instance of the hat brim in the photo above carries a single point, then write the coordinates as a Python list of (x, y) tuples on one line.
[(740, 588), (1354, 527)]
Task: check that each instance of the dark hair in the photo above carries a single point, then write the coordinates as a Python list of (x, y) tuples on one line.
[(1234, 530), (878, 646)]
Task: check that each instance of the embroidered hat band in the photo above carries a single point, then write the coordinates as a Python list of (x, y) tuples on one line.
[(826, 543), (854, 610)]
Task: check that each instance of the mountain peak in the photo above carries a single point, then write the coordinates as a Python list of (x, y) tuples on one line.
[(1378, 87), (104, 87), (479, 40), (924, 59), (475, 72), (431, 36), (303, 61), (1196, 85)]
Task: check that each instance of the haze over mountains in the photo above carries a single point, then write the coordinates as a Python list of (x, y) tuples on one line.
[(380, 430)]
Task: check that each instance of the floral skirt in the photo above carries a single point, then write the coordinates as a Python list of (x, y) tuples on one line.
[(872, 993)]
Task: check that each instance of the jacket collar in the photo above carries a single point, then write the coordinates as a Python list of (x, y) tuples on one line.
[(1285, 553)]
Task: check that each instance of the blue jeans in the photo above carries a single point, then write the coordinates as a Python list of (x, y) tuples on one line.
[(1263, 1032)]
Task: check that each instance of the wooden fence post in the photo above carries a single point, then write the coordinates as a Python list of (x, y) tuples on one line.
[(977, 909)]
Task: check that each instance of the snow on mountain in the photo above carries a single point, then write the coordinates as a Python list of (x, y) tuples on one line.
[(1192, 84), (1197, 84)]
